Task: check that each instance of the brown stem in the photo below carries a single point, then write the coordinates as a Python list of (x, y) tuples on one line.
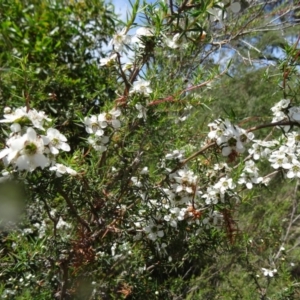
[(65, 276), (73, 209), (182, 163), (280, 123)]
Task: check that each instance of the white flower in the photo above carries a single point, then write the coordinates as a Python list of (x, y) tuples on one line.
[(280, 106), (174, 42), (15, 116), (216, 129), (294, 171), (141, 32), (176, 154), (142, 111), (61, 169), (108, 61), (282, 158), (112, 118), (211, 196), (250, 175), (154, 231), (61, 224), (37, 118), (222, 167), (250, 167), (269, 273), (278, 162), (102, 120), (235, 141), (141, 87), (15, 127), (173, 217), (113, 249), (293, 139), (7, 110), (21, 116), (136, 182), (279, 109), (249, 180), (144, 31), (186, 181), (229, 137), (119, 40), (56, 141), (144, 171), (99, 142), (26, 152), (224, 184), (261, 149), (95, 124)]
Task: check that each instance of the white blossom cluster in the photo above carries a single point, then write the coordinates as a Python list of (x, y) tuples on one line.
[(287, 156), (269, 272), (142, 111), (284, 110), (181, 201), (123, 249), (188, 202), (141, 87), (220, 185), (171, 208), (284, 154), (23, 280), (26, 148), (261, 149), (121, 40), (216, 193), (185, 200), (229, 137), (97, 127), (176, 154), (154, 229), (250, 175)]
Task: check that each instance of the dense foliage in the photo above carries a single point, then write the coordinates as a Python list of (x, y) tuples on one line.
[(151, 158)]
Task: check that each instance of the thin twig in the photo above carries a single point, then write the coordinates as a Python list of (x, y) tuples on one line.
[(73, 209), (294, 210)]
